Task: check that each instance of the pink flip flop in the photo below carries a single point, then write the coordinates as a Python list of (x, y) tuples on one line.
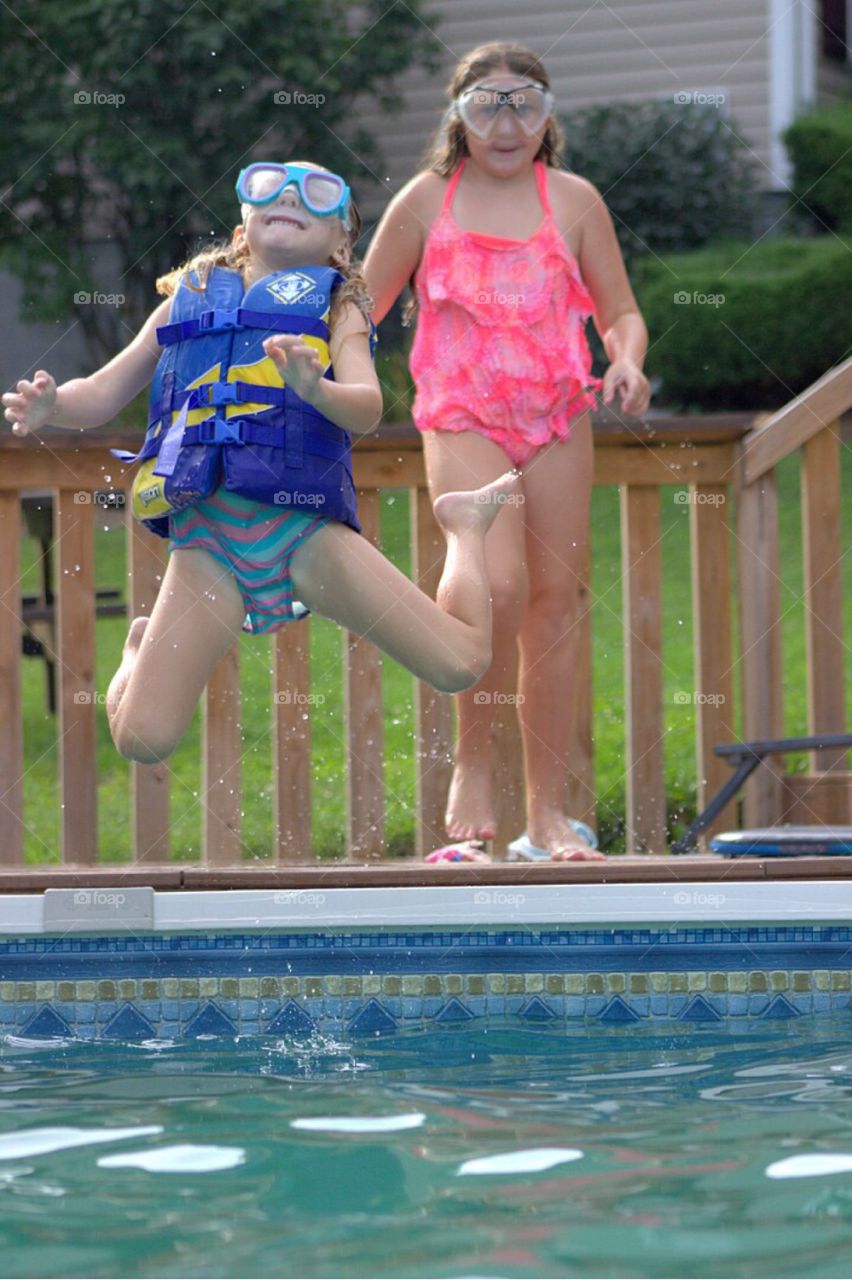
[(462, 851)]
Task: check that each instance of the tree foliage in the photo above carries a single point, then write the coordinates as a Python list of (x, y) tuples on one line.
[(675, 175), (127, 121)]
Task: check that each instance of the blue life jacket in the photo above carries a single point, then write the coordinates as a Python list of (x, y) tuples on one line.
[(220, 413)]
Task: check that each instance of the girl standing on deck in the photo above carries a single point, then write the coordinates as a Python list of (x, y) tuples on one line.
[(246, 463), (508, 255)]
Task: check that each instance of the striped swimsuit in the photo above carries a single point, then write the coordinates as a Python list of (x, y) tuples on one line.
[(256, 543)]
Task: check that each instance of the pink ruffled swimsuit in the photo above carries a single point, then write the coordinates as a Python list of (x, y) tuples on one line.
[(500, 346)]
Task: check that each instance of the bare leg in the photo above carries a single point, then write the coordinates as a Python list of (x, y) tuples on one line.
[(558, 485), (452, 457), (340, 575), (169, 658), (118, 684)]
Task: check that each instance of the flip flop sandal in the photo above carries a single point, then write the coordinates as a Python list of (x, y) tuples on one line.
[(455, 852), (523, 850)]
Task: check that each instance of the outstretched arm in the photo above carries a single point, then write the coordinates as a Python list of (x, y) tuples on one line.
[(617, 316), (88, 402)]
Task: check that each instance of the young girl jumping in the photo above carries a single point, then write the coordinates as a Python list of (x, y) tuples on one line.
[(246, 463), (508, 255)]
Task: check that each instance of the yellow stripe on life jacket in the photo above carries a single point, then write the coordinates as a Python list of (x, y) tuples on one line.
[(265, 373)]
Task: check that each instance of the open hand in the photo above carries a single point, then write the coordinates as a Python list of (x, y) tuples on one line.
[(626, 377), (30, 405), (298, 364)]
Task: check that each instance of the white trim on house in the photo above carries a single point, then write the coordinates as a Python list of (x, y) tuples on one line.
[(792, 77)]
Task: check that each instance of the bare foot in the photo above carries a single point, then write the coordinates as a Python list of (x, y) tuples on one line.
[(553, 831), (466, 509), (470, 810)]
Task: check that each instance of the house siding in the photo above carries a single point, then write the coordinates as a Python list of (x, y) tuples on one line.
[(625, 51)]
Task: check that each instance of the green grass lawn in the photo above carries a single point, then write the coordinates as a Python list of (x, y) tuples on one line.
[(41, 792)]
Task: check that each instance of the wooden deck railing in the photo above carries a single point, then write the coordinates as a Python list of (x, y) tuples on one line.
[(712, 455)]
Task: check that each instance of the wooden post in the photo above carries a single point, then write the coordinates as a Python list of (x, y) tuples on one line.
[(291, 743), (508, 756), (640, 551), (760, 641), (580, 789), (823, 588), (433, 711), (11, 712), (711, 626), (75, 601), (149, 782), (222, 748), (365, 784)]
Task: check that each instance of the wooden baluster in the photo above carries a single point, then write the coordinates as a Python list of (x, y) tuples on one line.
[(581, 761), (760, 641), (823, 584), (291, 752), (75, 602), (508, 757), (222, 747), (149, 782), (11, 713), (365, 786), (711, 626), (433, 711), (640, 551)]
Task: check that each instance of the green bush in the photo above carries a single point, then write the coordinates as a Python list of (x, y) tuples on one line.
[(674, 176), (820, 147), (746, 326)]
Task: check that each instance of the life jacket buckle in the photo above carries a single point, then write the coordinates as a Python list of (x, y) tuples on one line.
[(223, 393), (219, 319), (220, 431)]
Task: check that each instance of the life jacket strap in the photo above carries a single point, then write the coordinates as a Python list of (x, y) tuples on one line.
[(220, 320), (333, 444)]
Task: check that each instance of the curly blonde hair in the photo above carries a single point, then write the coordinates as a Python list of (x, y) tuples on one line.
[(448, 147), (235, 254)]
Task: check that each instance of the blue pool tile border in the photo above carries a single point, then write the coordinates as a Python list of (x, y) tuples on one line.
[(469, 951), (364, 984)]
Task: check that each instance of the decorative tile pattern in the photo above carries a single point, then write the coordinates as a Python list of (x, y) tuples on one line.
[(134, 988), (454, 1011), (617, 1011), (698, 1010), (373, 1020)]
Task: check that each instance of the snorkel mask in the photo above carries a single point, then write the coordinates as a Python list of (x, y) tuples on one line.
[(479, 106), (322, 193)]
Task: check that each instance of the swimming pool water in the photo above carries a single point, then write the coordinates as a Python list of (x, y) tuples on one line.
[(503, 1151)]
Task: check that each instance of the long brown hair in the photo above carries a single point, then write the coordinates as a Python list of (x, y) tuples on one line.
[(235, 254), (448, 146)]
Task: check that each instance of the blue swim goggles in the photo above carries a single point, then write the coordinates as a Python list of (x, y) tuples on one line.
[(322, 193)]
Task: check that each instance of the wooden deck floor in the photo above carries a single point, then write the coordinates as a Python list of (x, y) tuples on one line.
[(401, 873)]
